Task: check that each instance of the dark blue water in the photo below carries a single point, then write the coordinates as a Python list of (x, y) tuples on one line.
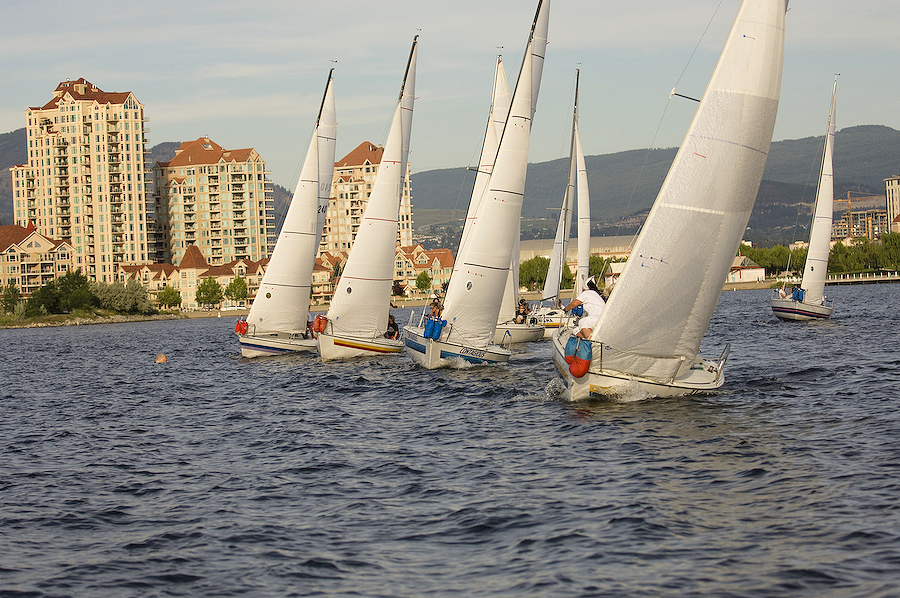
[(212, 476)]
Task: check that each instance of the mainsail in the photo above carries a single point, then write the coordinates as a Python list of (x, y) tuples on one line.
[(476, 287), (361, 300), (662, 304)]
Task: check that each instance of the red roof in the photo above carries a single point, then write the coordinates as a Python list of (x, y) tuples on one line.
[(193, 259), (206, 151), (82, 89), (364, 152)]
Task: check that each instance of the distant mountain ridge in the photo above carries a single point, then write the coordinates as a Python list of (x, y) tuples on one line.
[(622, 184), (625, 183)]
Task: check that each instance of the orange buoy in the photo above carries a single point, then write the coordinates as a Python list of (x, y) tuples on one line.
[(161, 358)]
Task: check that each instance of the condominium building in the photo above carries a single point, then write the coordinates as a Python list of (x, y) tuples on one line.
[(892, 193), (215, 199), (85, 177), (354, 176), (30, 260)]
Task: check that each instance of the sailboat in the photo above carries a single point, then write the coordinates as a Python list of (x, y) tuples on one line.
[(808, 301), (552, 317), (472, 304), (277, 322), (647, 340), (357, 318)]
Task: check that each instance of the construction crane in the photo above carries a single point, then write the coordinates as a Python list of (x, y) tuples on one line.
[(850, 209)]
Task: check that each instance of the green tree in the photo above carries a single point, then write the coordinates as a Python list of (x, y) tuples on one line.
[(169, 296), (74, 291), (9, 298), (130, 298), (236, 289), (534, 270), (209, 292), (423, 281)]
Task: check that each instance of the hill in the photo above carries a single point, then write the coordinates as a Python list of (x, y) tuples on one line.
[(623, 185)]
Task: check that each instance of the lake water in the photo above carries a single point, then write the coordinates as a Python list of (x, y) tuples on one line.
[(213, 476)]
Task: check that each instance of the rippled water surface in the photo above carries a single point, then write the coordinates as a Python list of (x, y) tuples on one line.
[(214, 476)]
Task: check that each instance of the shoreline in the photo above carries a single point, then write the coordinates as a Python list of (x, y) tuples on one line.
[(534, 296)]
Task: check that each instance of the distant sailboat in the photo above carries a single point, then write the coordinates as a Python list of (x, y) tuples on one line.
[(553, 317), (358, 315), (647, 339), (277, 322), (808, 301), (476, 287)]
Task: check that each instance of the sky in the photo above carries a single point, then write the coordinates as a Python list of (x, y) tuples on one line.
[(253, 74)]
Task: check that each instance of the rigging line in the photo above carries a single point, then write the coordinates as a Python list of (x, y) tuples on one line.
[(662, 117)]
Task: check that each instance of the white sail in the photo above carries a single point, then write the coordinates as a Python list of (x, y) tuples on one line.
[(820, 234), (476, 287), (584, 217), (407, 100), (359, 307), (564, 224), (327, 138), (662, 304), (500, 102), (538, 51), (282, 301)]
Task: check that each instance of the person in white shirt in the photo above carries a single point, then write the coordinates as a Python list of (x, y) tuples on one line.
[(593, 304)]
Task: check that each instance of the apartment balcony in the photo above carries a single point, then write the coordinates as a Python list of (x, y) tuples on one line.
[(236, 187), (117, 228), (111, 117)]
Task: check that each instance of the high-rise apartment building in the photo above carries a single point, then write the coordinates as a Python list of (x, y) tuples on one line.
[(354, 176), (216, 199), (892, 195), (85, 180)]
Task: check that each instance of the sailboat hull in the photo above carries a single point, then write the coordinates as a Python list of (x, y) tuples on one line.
[(432, 354), (511, 333), (788, 309), (276, 343), (333, 347), (552, 319), (601, 383)]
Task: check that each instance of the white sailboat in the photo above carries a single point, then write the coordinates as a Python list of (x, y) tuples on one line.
[(647, 340), (476, 287), (277, 322), (552, 317), (358, 314), (808, 301)]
